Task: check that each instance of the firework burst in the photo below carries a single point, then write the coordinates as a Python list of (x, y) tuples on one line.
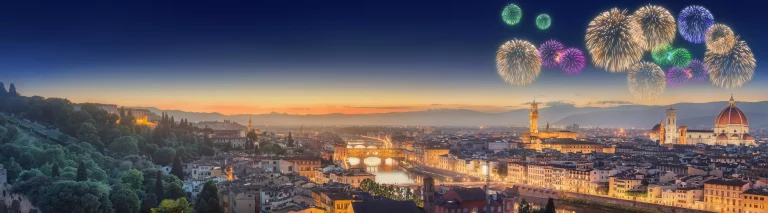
[(732, 69), (693, 22), (657, 24), (571, 60), (660, 54), (615, 41), (511, 14), (548, 52), (646, 80), (697, 71), (518, 62), (720, 39), (543, 21), (680, 57), (676, 77)]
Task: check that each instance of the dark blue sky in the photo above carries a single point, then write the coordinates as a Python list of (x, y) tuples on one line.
[(310, 44)]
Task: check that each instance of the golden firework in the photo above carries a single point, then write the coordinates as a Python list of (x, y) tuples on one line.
[(615, 41), (646, 80), (732, 69), (719, 39), (657, 24), (518, 62)]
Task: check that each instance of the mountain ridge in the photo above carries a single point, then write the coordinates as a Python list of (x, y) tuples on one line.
[(695, 115)]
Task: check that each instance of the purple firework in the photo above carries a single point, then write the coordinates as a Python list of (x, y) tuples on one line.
[(571, 60), (693, 23), (548, 52), (697, 72), (676, 77)]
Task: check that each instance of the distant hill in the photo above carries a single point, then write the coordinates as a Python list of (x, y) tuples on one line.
[(694, 115)]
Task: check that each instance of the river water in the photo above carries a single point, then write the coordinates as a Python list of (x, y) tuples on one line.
[(387, 171)]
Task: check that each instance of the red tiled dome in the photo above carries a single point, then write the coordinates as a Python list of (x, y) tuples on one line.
[(731, 115), (722, 136), (748, 137), (656, 128)]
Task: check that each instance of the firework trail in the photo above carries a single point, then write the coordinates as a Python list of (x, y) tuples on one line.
[(511, 14), (572, 61), (732, 69), (646, 80), (693, 22), (676, 77), (548, 52), (657, 24), (518, 62), (615, 41), (720, 39), (543, 21), (697, 71)]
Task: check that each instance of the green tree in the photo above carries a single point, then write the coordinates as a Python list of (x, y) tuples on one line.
[(31, 187), (175, 191), (148, 203), (3, 93), (71, 196), (124, 146), (12, 91), (125, 200), (209, 191), (502, 169), (15, 207), (55, 171), (88, 133), (164, 156), (3, 207), (159, 186), (177, 169), (290, 140), (82, 173), (27, 161), (213, 206), (173, 206), (13, 170), (550, 208), (133, 178), (524, 207)]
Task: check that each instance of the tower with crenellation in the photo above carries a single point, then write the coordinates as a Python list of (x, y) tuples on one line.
[(534, 117)]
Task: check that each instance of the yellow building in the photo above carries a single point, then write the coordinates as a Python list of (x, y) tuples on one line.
[(432, 156), (618, 186), (353, 178), (755, 200), (566, 145), (724, 195), (333, 201)]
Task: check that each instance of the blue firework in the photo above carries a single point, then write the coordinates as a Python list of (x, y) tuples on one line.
[(693, 23)]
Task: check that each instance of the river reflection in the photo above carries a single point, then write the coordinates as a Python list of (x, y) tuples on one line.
[(387, 171), (565, 207)]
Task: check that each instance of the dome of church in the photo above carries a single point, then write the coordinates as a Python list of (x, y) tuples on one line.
[(748, 137), (731, 115), (722, 136), (656, 128)]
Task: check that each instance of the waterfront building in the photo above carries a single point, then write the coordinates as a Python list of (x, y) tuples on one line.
[(724, 195), (755, 200)]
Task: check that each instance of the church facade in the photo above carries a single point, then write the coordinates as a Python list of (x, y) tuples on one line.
[(730, 127)]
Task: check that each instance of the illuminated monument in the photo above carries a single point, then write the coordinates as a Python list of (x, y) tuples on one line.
[(730, 127), (534, 134)]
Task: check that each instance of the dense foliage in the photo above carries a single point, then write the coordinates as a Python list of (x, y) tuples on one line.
[(390, 191), (90, 160)]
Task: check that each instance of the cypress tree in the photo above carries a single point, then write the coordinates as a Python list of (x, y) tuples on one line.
[(550, 208), (55, 170), (176, 169), (82, 173), (159, 192), (12, 91), (290, 140), (3, 92)]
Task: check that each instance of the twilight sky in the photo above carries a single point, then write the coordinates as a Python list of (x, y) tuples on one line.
[(316, 57)]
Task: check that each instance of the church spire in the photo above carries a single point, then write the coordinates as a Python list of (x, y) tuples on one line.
[(732, 102), (547, 130), (250, 125)]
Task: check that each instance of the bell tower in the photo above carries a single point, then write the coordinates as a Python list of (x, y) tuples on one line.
[(671, 126), (534, 117)]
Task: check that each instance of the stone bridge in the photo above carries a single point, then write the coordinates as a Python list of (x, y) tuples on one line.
[(344, 153)]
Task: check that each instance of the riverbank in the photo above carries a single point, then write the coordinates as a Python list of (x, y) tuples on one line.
[(606, 206)]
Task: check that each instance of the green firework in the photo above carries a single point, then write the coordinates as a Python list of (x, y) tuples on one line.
[(680, 57), (511, 14), (660, 54), (543, 21)]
